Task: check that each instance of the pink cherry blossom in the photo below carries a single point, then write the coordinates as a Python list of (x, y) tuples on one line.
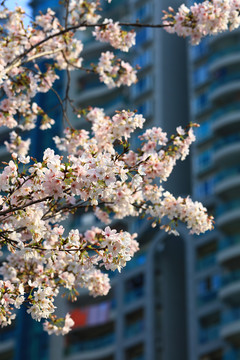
[(96, 171)]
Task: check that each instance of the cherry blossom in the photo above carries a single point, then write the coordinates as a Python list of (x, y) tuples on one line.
[(96, 170), (205, 18), (113, 34)]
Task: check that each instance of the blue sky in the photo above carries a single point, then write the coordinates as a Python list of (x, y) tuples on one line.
[(12, 3)]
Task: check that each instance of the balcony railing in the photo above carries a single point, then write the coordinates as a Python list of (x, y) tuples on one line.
[(134, 295), (209, 334), (206, 262), (138, 357), (134, 329), (230, 315), (7, 335), (226, 110), (225, 79), (227, 140), (91, 345), (229, 242), (231, 277), (207, 298), (235, 170), (232, 355), (232, 205), (226, 51)]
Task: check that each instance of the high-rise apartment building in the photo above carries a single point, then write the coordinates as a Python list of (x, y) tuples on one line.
[(144, 317), (215, 93), (25, 338)]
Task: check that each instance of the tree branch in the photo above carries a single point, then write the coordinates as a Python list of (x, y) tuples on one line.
[(17, 60)]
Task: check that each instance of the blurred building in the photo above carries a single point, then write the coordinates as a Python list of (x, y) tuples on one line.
[(145, 316), (215, 93), (25, 338)]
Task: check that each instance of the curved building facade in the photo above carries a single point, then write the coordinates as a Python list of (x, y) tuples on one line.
[(144, 317), (215, 93)]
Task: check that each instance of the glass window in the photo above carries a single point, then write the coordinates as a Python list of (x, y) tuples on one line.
[(143, 12), (200, 75), (200, 103), (205, 188), (144, 59), (143, 85), (199, 50), (203, 161), (143, 36), (209, 285)]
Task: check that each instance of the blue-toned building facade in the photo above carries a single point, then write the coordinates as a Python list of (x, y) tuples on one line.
[(145, 313), (215, 93), (25, 339)]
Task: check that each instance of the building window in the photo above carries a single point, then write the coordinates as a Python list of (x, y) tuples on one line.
[(134, 288), (200, 75)]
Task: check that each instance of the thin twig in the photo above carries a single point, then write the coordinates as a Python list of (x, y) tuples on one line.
[(57, 95)]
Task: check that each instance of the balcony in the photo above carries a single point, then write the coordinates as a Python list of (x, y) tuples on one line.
[(228, 119), (231, 325), (228, 216), (232, 354), (226, 57), (204, 162), (222, 36), (209, 334), (227, 149), (6, 345), (134, 329), (225, 86), (92, 348), (228, 182), (231, 287), (134, 295), (206, 262), (229, 250), (139, 357), (7, 341), (207, 298)]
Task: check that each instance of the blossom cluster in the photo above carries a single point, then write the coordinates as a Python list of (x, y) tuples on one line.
[(95, 170), (65, 262), (58, 326), (17, 144), (114, 35), (115, 73), (20, 83), (84, 11), (101, 172), (202, 19), (11, 296), (20, 76)]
